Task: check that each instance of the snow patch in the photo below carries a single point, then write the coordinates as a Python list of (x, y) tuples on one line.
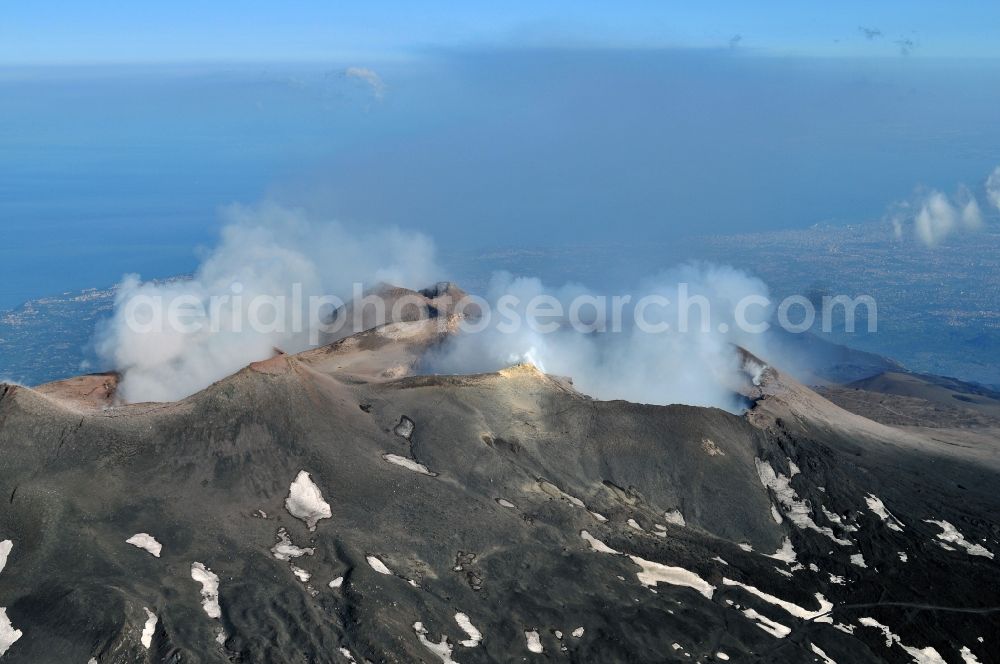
[(534, 642), (797, 511), (775, 629), (209, 589), (835, 518), (301, 574), (675, 517), (442, 649), (378, 566), (503, 502), (475, 636), (552, 490), (635, 524), (146, 542), (902, 556), (968, 657), (822, 655), (950, 534), (719, 560), (148, 629), (337, 583), (876, 505), (653, 573), (790, 608), (285, 550), (890, 638), (596, 544), (578, 632), (409, 464), (786, 553), (8, 635), (305, 501), (926, 655), (6, 547), (859, 560)]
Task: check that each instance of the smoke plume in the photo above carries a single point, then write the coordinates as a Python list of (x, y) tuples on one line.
[(268, 251), (692, 362), (277, 256)]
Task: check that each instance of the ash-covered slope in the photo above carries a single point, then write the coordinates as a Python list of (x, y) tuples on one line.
[(333, 507)]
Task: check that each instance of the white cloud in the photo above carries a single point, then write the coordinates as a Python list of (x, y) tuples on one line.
[(369, 76)]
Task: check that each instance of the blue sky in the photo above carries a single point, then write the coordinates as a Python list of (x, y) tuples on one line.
[(70, 31), (524, 124)]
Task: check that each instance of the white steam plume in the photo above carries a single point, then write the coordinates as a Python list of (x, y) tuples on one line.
[(268, 251), (935, 220), (993, 187), (938, 216), (698, 367)]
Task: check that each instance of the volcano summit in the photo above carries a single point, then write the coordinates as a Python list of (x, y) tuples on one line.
[(339, 505)]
